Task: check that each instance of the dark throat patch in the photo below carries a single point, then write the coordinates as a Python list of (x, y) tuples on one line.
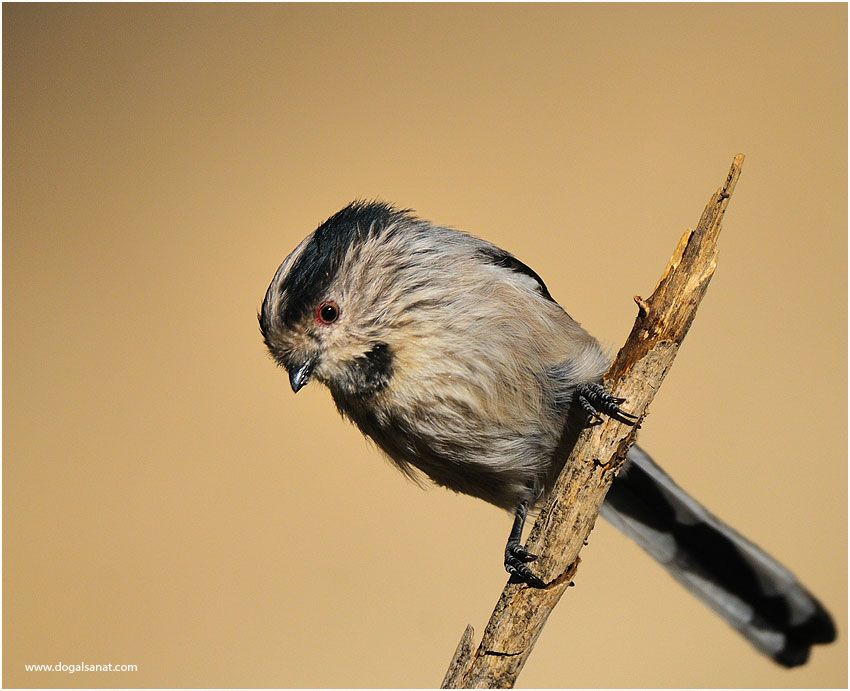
[(369, 373)]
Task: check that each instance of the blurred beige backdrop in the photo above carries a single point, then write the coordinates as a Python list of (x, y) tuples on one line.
[(168, 502)]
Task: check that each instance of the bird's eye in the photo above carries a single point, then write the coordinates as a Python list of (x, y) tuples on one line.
[(328, 312)]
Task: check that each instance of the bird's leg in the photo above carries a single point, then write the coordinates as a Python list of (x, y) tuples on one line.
[(595, 398), (516, 555)]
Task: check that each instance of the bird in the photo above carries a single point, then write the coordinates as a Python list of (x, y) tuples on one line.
[(452, 356)]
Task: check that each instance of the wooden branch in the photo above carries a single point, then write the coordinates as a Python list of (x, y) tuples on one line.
[(568, 517)]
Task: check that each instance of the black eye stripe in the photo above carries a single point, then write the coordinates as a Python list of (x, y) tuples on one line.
[(319, 262)]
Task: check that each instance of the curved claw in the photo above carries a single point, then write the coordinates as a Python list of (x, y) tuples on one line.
[(516, 555), (522, 573), (595, 398), (516, 550)]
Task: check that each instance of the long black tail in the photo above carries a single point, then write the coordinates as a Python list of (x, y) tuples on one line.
[(757, 596)]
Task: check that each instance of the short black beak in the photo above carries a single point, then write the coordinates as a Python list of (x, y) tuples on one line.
[(299, 374)]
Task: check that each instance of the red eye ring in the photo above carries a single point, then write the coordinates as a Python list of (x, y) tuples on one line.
[(328, 312)]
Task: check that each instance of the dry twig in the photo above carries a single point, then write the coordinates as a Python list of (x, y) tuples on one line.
[(569, 515)]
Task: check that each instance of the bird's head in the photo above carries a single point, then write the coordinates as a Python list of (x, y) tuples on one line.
[(331, 310)]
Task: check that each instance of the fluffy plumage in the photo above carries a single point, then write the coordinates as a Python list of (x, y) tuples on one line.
[(452, 356)]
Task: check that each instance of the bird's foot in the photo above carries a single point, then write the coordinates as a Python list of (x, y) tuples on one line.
[(595, 399), (516, 557)]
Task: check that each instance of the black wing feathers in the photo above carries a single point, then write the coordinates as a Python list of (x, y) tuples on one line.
[(508, 261)]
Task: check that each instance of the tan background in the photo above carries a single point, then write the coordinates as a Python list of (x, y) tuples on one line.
[(169, 503)]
